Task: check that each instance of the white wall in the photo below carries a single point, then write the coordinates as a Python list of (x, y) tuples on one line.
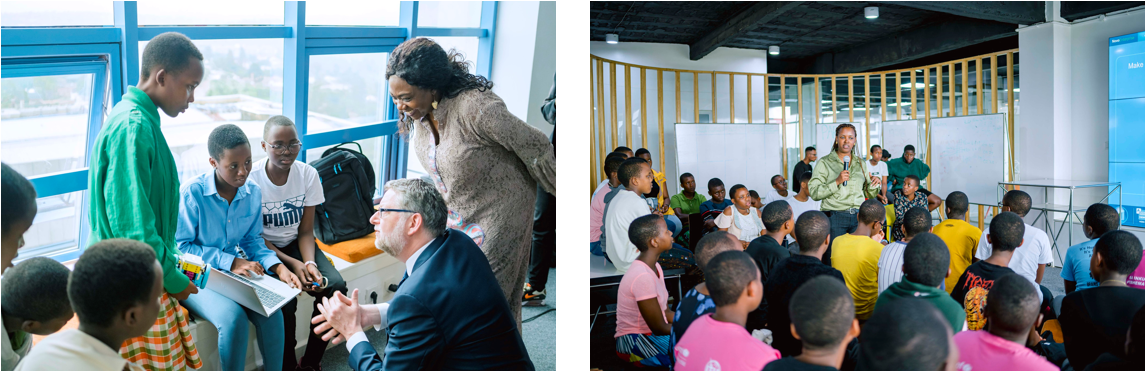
[(525, 58)]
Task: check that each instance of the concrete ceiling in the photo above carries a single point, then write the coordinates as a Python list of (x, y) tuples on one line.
[(829, 36)]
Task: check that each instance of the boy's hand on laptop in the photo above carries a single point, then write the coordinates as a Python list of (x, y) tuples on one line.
[(240, 266), (287, 276)]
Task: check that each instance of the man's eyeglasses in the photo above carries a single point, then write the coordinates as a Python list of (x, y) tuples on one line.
[(293, 147), (781, 182), (384, 210)]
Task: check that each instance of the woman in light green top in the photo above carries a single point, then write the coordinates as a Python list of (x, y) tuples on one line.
[(840, 199)]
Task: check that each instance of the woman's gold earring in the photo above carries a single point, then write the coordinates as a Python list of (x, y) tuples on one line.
[(434, 105)]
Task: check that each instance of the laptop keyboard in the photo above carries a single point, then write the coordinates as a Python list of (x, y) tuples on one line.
[(266, 297)]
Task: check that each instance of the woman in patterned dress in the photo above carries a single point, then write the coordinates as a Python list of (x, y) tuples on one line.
[(486, 162)]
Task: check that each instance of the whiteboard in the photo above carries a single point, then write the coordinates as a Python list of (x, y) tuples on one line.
[(900, 133), (826, 135), (968, 156), (748, 154)]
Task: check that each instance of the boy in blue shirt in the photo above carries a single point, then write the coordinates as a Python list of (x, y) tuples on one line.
[(1099, 219), (716, 202), (220, 220)]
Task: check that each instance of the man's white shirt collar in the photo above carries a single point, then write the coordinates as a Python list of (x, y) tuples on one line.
[(414, 258)]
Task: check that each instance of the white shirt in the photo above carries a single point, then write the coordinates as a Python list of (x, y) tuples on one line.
[(878, 170), (360, 336), (891, 265), (283, 205), (773, 195), (73, 350), (799, 208), (1035, 250), (625, 207)]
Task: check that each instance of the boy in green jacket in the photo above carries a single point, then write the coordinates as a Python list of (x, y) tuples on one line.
[(134, 187), (925, 268)]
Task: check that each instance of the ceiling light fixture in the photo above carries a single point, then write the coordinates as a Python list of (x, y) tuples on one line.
[(611, 38), (871, 12), (774, 50)]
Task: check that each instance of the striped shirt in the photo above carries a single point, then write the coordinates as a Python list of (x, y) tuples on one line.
[(891, 265)]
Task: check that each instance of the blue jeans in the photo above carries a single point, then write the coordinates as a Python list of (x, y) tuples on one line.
[(595, 248), (840, 223), (673, 223), (231, 320)]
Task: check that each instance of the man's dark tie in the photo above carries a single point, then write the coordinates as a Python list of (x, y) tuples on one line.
[(404, 276)]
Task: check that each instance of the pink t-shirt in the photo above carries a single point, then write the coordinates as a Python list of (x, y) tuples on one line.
[(1136, 278), (639, 283), (710, 344), (980, 350), (596, 208)]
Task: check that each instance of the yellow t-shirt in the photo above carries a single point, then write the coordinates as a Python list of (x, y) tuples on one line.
[(856, 258), (659, 178), (962, 239)]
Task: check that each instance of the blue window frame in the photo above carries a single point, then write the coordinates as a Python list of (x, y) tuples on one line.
[(110, 55)]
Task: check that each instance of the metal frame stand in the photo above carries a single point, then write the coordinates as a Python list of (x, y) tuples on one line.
[(1049, 207)]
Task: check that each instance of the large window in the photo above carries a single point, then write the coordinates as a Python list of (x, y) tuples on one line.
[(56, 95)]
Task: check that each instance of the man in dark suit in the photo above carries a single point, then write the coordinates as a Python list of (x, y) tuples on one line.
[(448, 312)]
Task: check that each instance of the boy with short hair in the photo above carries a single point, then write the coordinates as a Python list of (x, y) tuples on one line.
[(115, 290), (824, 321), (779, 191), (1012, 312), (1032, 257), (719, 341), (878, 168), (597, 201), (698, 301), (801, 202), (1095, 320), (1076, 273), (960, 237), (755, 200), (620, 212), (134, 188), (35, 302), (290, 191), (857, 254), (1005, 234), (644, 328), (916, 221), (624, 150), (16, 214), (911, 335), (925, 265), (812, 231), (804, 165), (717, 202), (221, 220), (768, 250), (688, 201)]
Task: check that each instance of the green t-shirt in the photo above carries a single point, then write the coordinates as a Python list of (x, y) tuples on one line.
[(687, 205)]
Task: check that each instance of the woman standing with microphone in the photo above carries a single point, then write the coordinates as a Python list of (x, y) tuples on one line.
[(841, 199)]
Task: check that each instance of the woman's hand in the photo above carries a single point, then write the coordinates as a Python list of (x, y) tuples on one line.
[(875, 180), (240, 266), (744, 245), (843, 177), (286, 276)]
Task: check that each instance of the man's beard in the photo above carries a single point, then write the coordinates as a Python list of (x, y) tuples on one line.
[(391, 242)]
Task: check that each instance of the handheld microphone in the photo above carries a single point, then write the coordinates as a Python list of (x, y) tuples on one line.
[(847, 160)]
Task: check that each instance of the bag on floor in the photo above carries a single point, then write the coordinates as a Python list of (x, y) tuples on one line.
[(348, 186)]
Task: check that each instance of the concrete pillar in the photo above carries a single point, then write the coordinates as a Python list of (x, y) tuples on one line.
[(1043, 120)]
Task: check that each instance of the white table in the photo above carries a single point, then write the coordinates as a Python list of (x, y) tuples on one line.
[(1070, 209)]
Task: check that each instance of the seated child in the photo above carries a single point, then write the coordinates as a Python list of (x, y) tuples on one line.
[(960, 236), (291, 190), (1095, 320), (756, 199), (698, 301), (1012, 312), (688, 201), (716, 202), (740, 218), (824, 322), (719, 341), (1076, 273), (812, 230), (891, 263), (35, 301), (208, 200), (1031, 258), (597, 201), (1134, 350), (1005, 234), (115, 290), (644, 329), (634, 174), (904, 199), (768, 250), (911, 335), (18, 211), (925, 268), (857, 254)]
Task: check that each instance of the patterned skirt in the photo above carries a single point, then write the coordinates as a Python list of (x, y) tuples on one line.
[(645, 350), (167, 345)]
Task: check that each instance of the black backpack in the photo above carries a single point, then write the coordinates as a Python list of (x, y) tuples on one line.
[(348, 186)]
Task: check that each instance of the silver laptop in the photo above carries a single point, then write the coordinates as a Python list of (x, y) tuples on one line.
[(262, 294)]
